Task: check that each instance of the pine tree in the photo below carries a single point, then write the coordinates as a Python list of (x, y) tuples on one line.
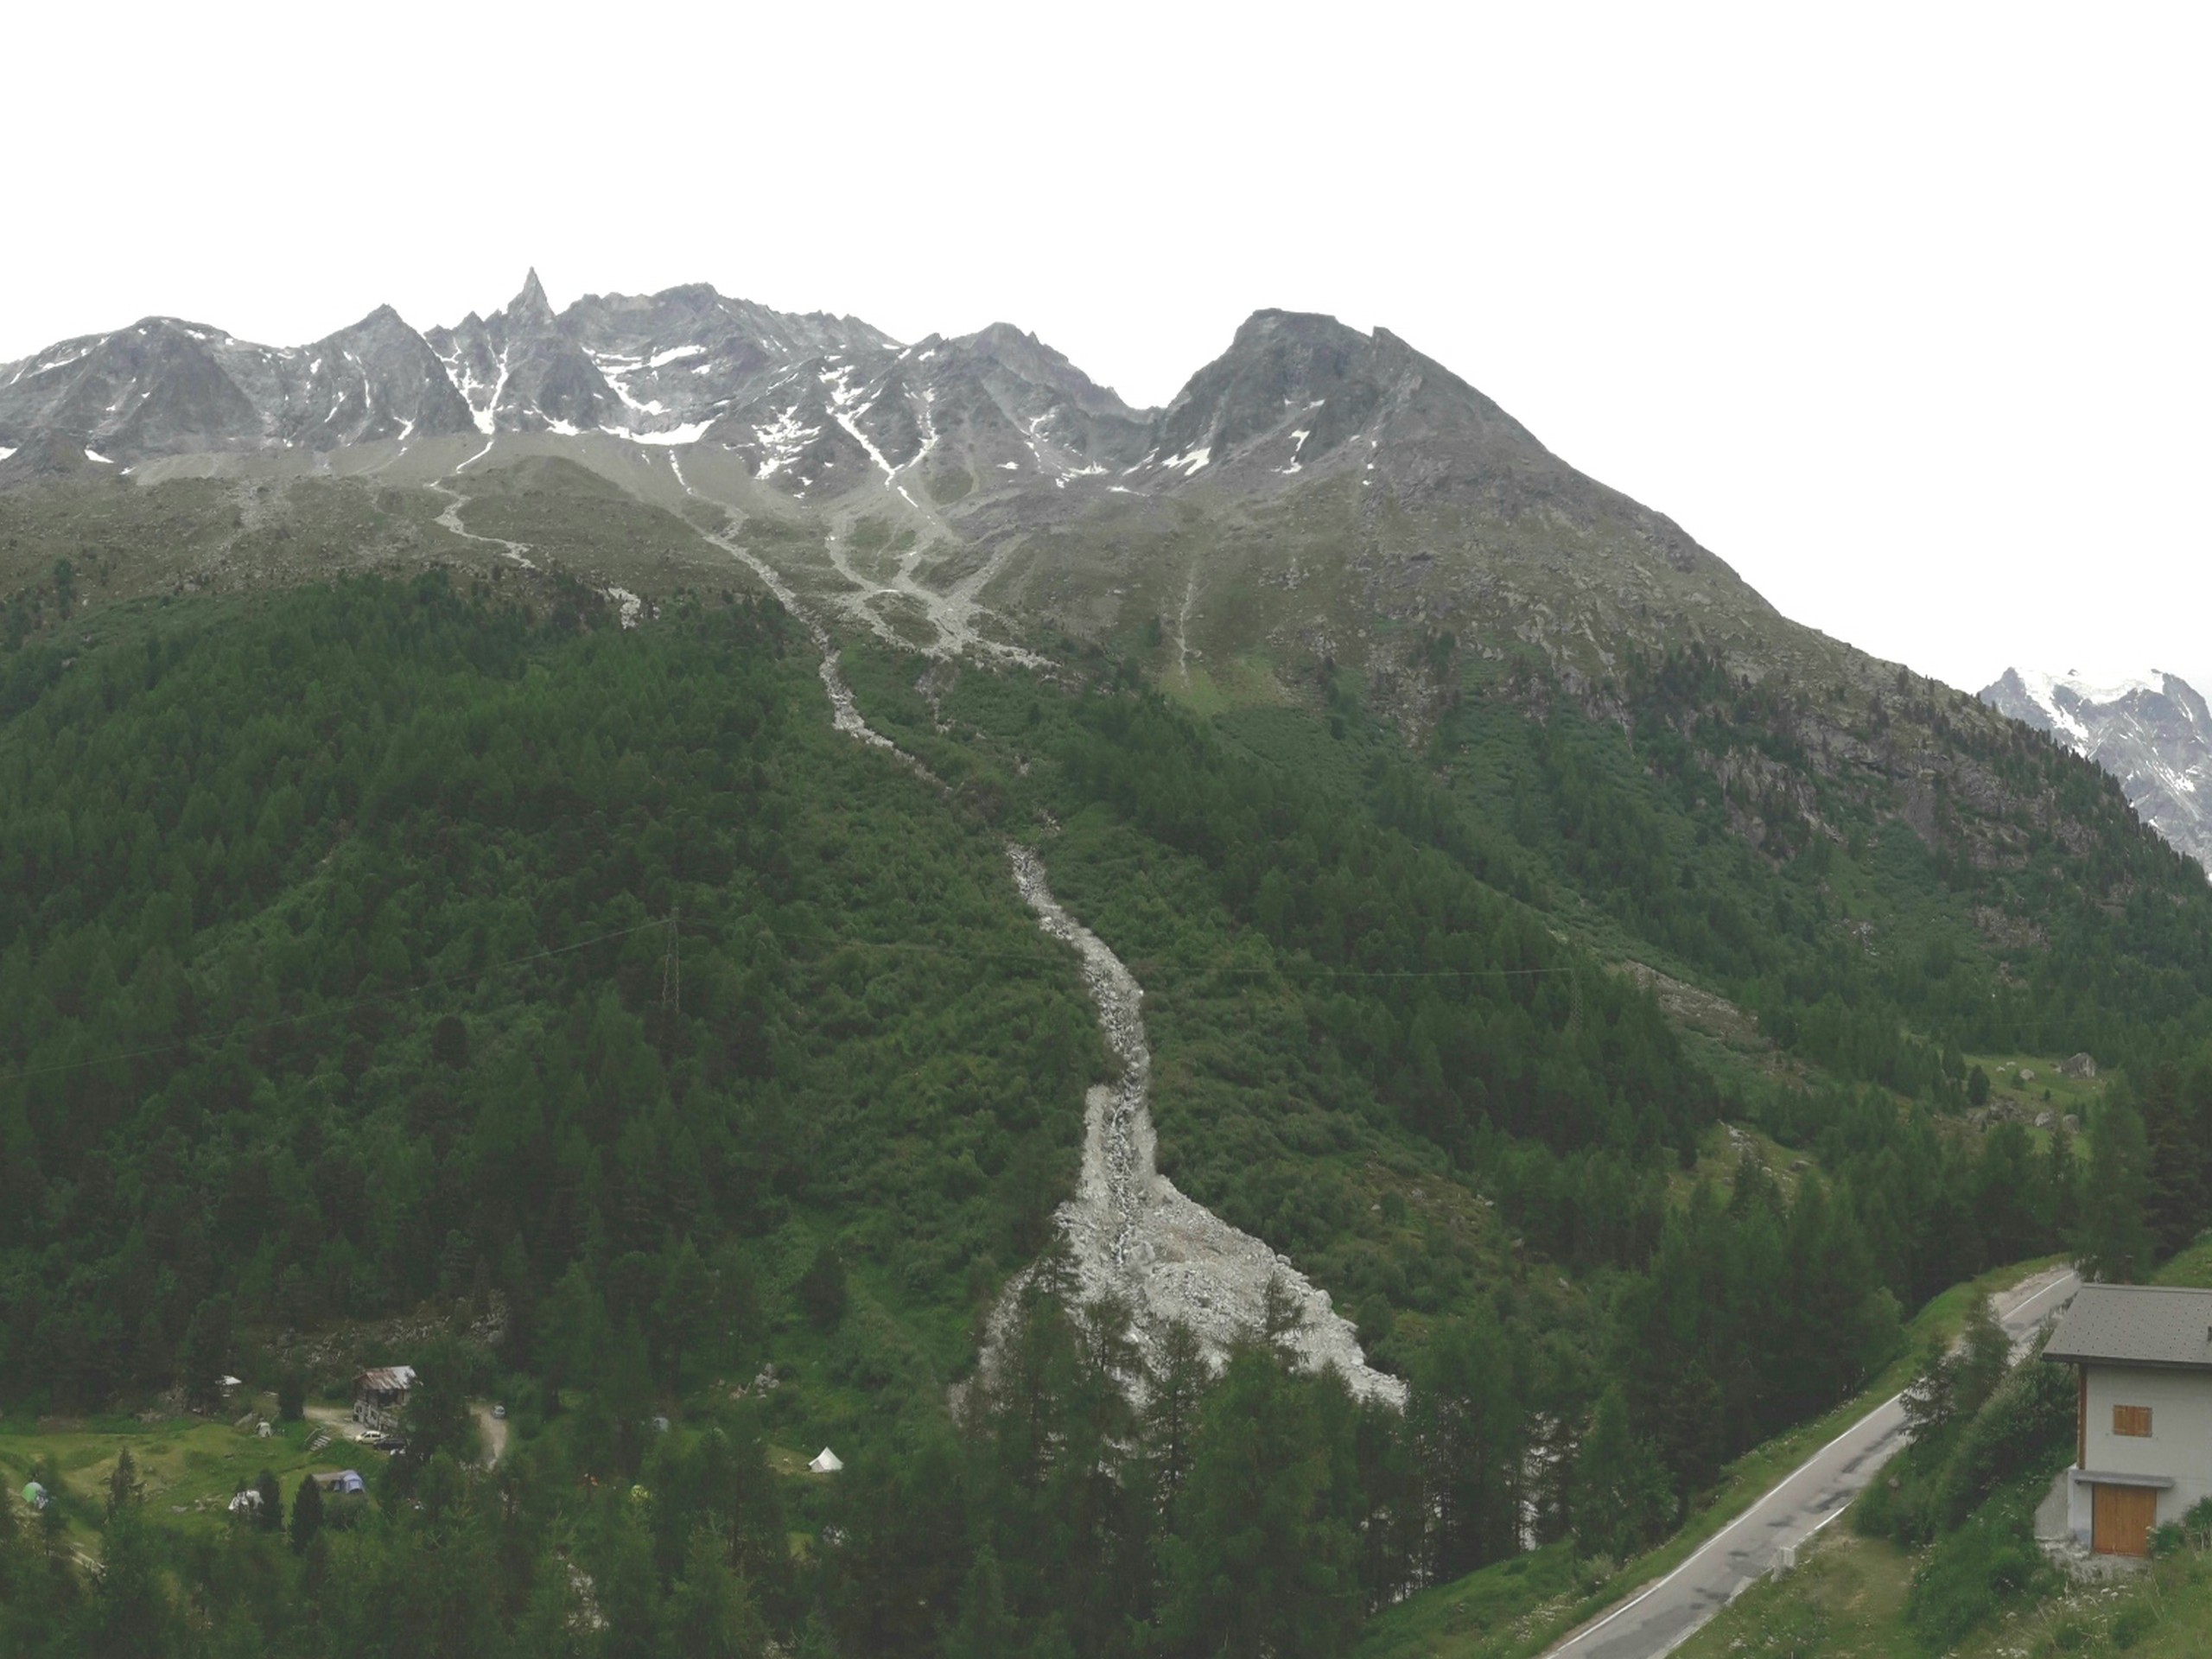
[(269, 1516), (1621, 1497), (124, 1484), (1983, 1357), (2116, 1242), (1179, 1379), (2176, 1205), (985, 1630), (1255, 1565), (1930, 1399), (822, 1288), (438, 1418), (129, 1617), (204, 1352), (710, 1609), (1469, 1428), (683, 1310), (307, 1514)]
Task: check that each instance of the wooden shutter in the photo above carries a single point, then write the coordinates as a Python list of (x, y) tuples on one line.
[(2131, 1420)]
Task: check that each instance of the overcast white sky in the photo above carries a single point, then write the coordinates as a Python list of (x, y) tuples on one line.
[(1900, 309)]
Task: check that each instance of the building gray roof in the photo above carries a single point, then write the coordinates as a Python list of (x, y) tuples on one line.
[(2136, 1324)]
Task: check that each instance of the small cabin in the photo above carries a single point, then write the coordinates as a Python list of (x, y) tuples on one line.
[(380, 1396), (2143, 1419)]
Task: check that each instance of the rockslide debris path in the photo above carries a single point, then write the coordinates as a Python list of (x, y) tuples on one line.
[(1133, 1232), (1130, 1230)]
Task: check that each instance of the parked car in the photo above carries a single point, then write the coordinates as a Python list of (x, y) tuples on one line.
[(500, 1412)]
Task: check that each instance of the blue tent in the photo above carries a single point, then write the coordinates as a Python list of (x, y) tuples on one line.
[(349, 1480)]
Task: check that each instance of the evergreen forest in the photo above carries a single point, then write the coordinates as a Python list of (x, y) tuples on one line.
[(411, 958)]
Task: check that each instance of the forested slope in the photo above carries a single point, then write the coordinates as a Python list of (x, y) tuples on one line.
[(374, 947)]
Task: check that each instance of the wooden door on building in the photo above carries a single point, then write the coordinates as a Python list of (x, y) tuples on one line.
[(2121, 1518)]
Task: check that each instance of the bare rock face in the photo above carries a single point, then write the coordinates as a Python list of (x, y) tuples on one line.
[(164, 387), (2154, 735)]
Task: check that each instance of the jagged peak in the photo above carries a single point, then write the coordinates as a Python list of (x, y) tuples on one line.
[(530, 301)]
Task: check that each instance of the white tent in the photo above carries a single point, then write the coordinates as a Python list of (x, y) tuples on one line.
[(826, 1462)]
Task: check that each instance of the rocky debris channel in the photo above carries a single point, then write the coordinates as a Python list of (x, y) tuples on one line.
[(1132, 1233)]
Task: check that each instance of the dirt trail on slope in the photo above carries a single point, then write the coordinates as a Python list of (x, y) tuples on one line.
[(1130, 1230), (450, 518), (955, 615)]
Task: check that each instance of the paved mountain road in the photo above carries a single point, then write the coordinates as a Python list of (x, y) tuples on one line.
[(1667, 1614)]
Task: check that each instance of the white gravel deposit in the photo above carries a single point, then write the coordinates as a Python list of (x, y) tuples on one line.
[(1129, 1229)]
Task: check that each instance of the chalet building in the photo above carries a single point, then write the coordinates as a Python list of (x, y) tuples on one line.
[(380, 1396), (2143, 1437)]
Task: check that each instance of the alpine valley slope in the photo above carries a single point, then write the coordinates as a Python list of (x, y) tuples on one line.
[(1478, 840), (1318, 514), (2154, 735)]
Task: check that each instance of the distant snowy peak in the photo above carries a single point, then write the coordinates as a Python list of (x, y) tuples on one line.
[(2080, 711), (2154, 734), (164, 387), (661, 368)]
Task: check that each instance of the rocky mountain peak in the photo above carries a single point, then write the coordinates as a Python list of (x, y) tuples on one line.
[(530, 308), (2154, 734)]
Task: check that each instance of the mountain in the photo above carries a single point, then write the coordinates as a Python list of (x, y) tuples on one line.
[(1315, 493), (2154, 735), (648, 860), (1321, 518), (165, 387)]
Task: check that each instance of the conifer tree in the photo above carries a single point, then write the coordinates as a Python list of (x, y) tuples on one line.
[(1255, 1565), (985, 1630), (1469, 1426), (307, 1514), (1621, 1497), (2116, 1242), (269, 1514)]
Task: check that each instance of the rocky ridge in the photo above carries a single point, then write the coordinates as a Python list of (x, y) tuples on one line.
[(2154, 735), (1353, 496)]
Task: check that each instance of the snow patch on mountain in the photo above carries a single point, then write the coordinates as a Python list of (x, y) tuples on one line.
[(2154, 734)]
